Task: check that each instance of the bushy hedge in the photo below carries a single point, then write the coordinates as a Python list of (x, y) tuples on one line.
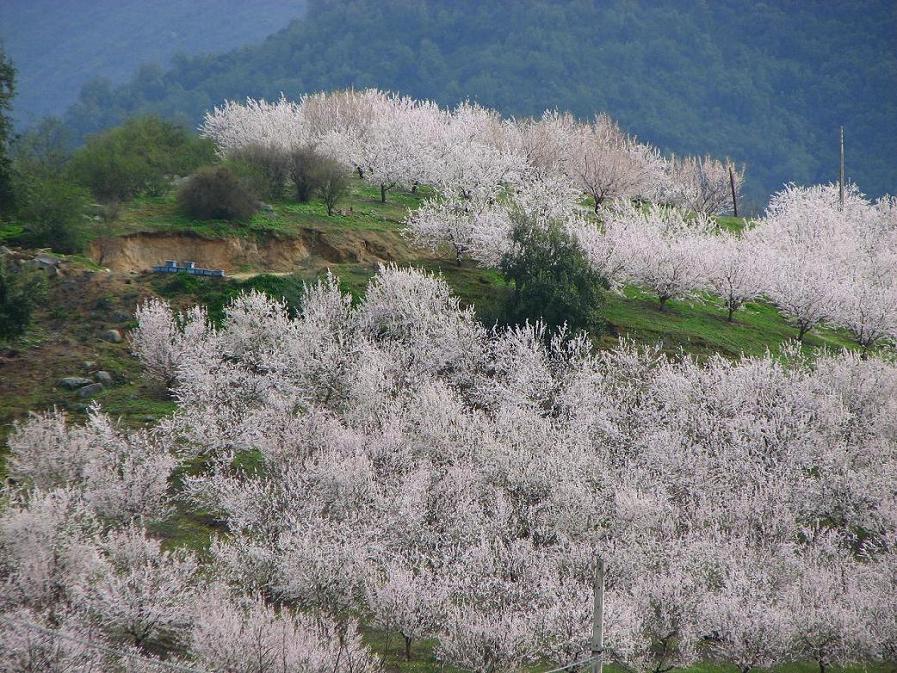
[(52, 213), (216, 193), (264, 169), (138, 157)]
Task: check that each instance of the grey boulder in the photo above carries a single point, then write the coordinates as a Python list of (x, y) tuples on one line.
[(91, 390), (74, 382), (103, 377)]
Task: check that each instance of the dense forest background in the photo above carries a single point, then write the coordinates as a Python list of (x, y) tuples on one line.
[(60, 45), (766, 83)]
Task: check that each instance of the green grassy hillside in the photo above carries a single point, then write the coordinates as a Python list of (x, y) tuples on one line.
[(88, 298), (277, 251)]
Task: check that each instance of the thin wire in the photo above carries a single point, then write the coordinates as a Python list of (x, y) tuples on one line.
[(575, 663), (108, 650)]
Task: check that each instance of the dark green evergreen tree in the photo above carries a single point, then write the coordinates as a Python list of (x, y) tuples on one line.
[(20, 292), (553, 281)]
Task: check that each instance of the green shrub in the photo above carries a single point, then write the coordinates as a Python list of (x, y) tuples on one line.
[(216, 193), (138, 157), (332, 183), (52, 213), (20, 292), (265, 169), (216, 293), (553, 281), (288, 288), (305, 165), (43, 150)]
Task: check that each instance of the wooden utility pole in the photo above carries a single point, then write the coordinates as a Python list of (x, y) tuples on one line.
[(598, 618), (734, 196), (841, 173)]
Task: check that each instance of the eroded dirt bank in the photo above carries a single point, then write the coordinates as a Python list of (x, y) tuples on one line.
[(140, 252)]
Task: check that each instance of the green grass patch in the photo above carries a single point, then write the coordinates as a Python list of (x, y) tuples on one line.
[(139, 402), (733, 224), (390, 647), (484, 289), (160, 214), (361, 210), (10, 231), (701, 328), (187, 529), (216, 293)]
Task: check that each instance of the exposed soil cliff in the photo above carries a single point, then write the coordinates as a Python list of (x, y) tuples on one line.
[(140, 252)]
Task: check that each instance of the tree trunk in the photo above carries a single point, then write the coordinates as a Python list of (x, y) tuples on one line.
[(360, 172), (382, 193), (801, 332), (731, 313), (663, 303), (407, 647)]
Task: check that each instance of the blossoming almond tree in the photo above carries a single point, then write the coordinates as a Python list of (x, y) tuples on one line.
[(608, 164), (233, 126), (736, 272), (746, 619), (394, 457), (408, 601), (139, 593), (663, 249), (121, 476), (703, 184), (243, 634)]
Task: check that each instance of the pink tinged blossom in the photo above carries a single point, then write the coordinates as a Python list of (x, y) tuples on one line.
[(243, 634), (139, 593), (702, 184), (121, 476)]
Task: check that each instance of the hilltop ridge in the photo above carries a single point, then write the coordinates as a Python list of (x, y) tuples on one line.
[(766, 84)]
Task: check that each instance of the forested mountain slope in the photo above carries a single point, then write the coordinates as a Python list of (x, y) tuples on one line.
[(765, 83), (59, 46)]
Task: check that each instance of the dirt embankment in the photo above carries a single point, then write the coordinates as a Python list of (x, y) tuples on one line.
[(140, 252)]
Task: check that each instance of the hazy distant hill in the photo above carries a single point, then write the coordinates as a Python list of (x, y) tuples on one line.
[(58, 45), (767, 83)]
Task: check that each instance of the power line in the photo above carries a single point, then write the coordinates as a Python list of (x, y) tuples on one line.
[(575, 663), (102, 648)]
